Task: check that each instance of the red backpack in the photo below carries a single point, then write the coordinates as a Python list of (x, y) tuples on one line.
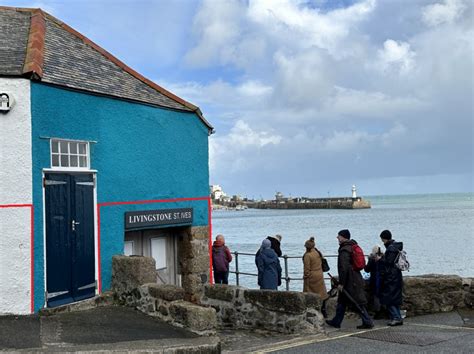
[(358, 258)]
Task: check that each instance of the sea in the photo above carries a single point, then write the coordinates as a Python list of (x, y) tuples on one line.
[(437, 231)]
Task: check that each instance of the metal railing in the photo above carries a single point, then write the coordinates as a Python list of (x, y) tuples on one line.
[(285, 257)]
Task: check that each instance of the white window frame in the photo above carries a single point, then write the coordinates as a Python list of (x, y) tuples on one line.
[(69, 154)]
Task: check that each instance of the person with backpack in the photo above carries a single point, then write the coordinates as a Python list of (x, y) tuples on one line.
[(350, 262), (392, 281), (221, 258)]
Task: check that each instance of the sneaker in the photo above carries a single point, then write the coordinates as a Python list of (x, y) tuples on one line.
[(332, 324), (365, 326), (393, 323)]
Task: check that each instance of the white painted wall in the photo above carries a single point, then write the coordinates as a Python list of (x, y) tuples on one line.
[(15, 188)]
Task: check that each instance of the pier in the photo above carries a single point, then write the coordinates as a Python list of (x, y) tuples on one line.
[(312, 203)]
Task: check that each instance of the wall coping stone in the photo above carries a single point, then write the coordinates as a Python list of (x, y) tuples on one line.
[(165, 291)]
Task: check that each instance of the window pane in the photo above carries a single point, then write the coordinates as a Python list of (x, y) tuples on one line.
[(54, 146), (73, 160), (158, 252), (55, 160), (73, 147), (64, 161), (128, 248), (82, 148), (63, 146), (82, 161)]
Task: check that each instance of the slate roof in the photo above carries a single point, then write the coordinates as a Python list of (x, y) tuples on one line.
[(36, 45)]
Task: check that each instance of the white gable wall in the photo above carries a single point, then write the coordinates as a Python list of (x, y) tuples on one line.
[(15, 195)]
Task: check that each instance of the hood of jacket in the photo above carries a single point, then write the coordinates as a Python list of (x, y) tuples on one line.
[(347, 246), (218, 243), (398, 246)]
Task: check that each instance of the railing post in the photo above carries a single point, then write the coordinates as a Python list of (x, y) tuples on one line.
[(287, 279), (236, 268)]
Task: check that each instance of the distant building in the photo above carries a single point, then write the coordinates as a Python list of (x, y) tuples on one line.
[(216, 192)]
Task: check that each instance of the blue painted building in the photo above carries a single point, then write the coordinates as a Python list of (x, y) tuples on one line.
[(96, 161)]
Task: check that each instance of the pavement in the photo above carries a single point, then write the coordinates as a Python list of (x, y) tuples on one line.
[(124, 330), (110, 328)]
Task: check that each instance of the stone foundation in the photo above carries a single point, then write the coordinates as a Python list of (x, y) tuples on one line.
[(280, 311)]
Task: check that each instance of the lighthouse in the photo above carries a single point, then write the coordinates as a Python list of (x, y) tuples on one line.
[(354, 192)]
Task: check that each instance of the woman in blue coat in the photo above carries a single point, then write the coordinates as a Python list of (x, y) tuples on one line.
[(269, 269)]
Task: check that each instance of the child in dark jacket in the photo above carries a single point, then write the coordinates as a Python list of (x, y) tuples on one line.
[(373, 267)]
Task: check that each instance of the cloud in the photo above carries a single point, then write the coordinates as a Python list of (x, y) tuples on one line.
[(396, 56), (440, 13)]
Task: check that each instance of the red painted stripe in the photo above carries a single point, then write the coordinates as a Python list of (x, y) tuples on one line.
[(16, 206), (209, 221), (32, 256), (32, 250), (99, 280), (153, 201)]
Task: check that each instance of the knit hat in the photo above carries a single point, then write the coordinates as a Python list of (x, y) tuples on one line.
[(266, 243), (386, 235), (309, 244), (345, 233)]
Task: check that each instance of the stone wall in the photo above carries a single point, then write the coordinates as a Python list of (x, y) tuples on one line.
[(281, 311), (193, 256), (436, 293), (134, 284)]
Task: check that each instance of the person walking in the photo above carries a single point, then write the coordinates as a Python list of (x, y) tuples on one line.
[(351, 284), (268, 265), (313, 276), (221, 257), (392, 280), (373, 267)]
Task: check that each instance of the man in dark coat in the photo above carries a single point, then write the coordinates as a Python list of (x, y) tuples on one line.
[(392, 280), (350, 282)]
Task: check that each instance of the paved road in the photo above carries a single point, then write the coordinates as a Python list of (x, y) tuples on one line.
[(441, 333)]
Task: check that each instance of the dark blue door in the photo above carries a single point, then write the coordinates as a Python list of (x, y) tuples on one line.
[(70, 262)]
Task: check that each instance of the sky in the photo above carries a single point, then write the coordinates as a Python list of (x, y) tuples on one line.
[(308, 97)]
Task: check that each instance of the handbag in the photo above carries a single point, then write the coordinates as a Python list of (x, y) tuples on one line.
[(325, 265), (324, 262)]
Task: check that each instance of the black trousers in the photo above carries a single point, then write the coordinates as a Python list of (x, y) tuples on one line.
[(221, 277)]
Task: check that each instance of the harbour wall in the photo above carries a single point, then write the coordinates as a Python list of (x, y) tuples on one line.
[(320, 203)]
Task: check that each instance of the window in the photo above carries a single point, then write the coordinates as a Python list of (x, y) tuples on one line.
[(69, 154), (158, 252), (128, 248)]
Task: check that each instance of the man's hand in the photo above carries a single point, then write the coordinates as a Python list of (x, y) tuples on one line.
[(340, 287)]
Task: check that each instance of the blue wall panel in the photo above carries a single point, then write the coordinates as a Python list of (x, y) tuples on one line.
[(142, 153)]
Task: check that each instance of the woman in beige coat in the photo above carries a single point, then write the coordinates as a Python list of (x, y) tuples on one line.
[(313, 273)]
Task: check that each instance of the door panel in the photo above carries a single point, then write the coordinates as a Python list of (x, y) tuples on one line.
[(83, 235), (58, 245), (70, 256)]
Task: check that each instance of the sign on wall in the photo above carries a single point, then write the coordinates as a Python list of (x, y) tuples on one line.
[(149, 218)]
